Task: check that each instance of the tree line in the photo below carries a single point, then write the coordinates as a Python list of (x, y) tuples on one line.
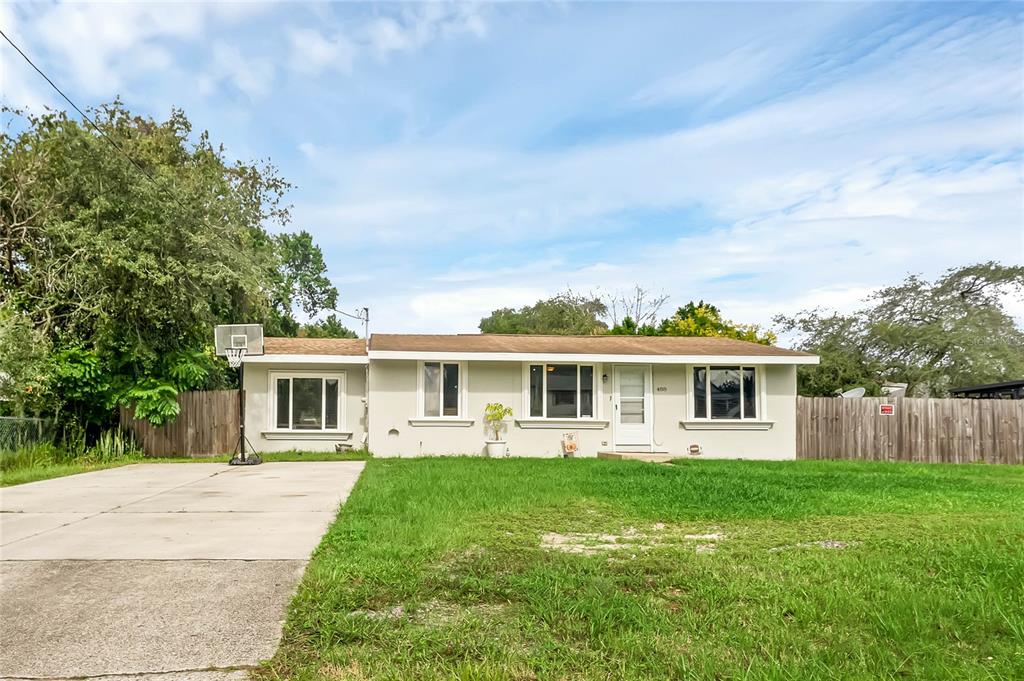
[(122, 246), (931, 335)]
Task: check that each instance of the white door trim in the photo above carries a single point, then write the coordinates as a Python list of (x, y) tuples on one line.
[(632, 437)]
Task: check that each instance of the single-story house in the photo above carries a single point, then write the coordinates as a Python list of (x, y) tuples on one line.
[(412, 395)]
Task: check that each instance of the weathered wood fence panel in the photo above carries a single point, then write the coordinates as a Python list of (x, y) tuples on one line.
[(206, 426), (920, 429)]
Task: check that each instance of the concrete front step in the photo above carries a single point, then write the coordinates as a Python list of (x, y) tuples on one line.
[(651, 457)]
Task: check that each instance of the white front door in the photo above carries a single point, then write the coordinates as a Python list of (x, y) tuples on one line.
[(632, 405)]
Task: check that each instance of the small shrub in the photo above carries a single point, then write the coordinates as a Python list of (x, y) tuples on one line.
[(113, 445)]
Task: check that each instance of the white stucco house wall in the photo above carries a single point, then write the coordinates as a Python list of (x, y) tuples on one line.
[(415, 395)]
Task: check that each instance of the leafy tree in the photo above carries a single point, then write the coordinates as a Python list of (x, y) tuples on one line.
[(329, 327), (568, 313), (300, 282), (704, 319), (125, 272), (25, 373), (931, 335), (695, 319)]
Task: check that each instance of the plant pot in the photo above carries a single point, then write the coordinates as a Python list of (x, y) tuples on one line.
[(495, 448)]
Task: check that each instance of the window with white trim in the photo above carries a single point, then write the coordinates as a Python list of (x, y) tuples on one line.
[(308, 402), (561, 391), (725, 392), (440, 393)]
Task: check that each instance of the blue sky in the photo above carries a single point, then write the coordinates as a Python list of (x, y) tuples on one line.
[(455, 158)]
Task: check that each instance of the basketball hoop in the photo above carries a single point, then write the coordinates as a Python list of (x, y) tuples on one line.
[(234, 342), (234, 356)]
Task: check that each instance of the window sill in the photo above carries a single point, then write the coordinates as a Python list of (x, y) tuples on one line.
[(307, 434), (727, 424), (581, 424), (450, 421)]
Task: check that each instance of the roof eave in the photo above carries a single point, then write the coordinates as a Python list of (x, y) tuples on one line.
[(305, 359), (427, 355)]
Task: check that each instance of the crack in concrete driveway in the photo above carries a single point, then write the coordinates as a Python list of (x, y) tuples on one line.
[(162, 571)]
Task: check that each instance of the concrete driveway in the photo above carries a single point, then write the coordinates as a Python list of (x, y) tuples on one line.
[(163, 571)]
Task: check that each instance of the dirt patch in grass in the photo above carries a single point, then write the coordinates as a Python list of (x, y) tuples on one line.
[(829, 544), (435, 613), (630, 538)]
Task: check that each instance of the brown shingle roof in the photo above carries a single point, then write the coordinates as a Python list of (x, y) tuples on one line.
[(590, 345), (314, 346)]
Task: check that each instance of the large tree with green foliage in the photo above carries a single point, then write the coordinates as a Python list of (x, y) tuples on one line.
[(124, 259), (931, 335), (568, 313), (328, 327)]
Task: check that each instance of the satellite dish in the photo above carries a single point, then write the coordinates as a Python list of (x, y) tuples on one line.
[(853, 393)]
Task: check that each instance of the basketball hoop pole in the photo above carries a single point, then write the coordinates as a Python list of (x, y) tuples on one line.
[(242, 459)]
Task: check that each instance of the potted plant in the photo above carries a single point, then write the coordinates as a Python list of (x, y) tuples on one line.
[(495, 414)]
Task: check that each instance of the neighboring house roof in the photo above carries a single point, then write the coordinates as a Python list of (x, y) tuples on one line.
[(314, 346), (989, 386)]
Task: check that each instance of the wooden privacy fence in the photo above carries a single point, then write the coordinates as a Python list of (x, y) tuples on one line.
[(919, 429), (206, 426)]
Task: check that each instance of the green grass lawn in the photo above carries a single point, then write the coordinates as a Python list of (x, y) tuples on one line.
[(709, 570), (33, 471)]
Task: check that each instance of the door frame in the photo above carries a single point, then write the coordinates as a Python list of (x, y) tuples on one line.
[(648, 407)]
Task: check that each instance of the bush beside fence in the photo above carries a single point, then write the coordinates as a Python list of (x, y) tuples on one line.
[(919, 429)]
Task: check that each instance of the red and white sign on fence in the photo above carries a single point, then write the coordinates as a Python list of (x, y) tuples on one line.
[(887, 409)]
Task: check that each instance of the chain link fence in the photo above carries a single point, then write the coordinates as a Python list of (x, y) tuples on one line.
[(18, 432)]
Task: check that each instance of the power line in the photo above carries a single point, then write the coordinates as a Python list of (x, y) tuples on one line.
[(113, 143)]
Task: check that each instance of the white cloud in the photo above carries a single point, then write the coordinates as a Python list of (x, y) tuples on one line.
[(411, 29), (20, 87), (422, 23), (252, 75), (100, 49), (312, 52)]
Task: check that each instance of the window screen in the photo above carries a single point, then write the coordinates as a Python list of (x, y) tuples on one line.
[(562, 391), (537, 390), (431, 389), (330, 403), (451, 390), (307, 403), (284, 401), (700, 393), (749, 393), (586, 391)]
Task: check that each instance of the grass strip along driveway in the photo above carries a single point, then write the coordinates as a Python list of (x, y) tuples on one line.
[(33, 471), (580, 569)]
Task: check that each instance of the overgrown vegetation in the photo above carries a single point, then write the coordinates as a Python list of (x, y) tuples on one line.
[(41, 460), (114, 270), (588, 569), (933, 336)]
